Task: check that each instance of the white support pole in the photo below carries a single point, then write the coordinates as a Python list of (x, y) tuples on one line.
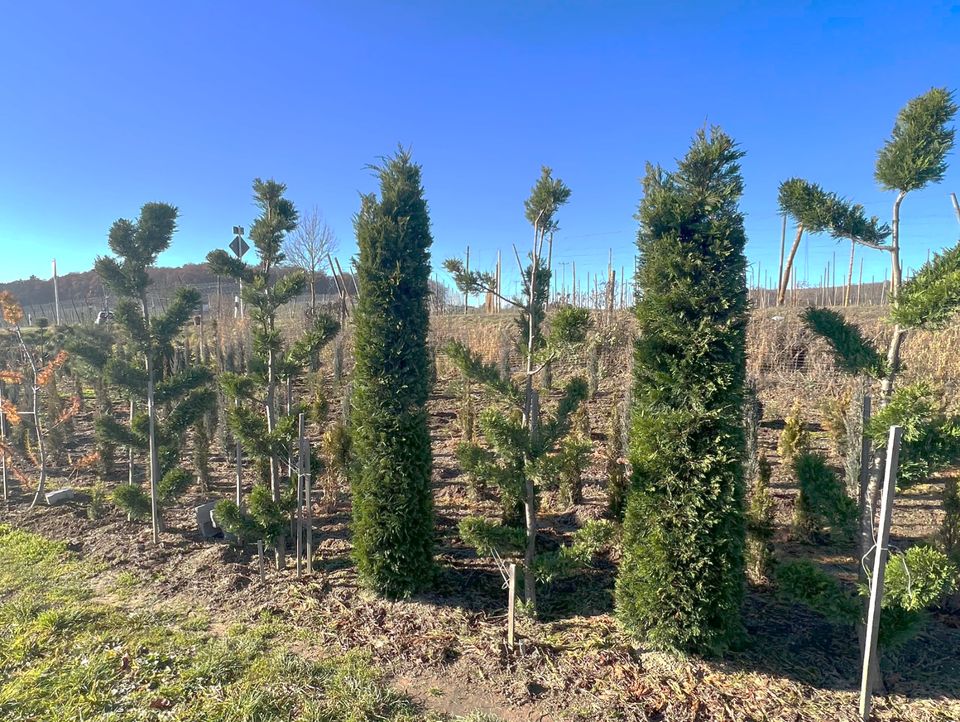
[(56, 293), (3, 438), (511, 604), (299, 515), (868, 678), (956, 205)]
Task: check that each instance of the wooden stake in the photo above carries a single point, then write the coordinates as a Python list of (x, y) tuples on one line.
[(308, 499), (299, 508), (263, 576), (3, 438), (511, 604), (466, 295), (869, 677)]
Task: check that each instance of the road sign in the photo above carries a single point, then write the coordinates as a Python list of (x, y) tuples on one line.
[(238, 230), (239, 246)]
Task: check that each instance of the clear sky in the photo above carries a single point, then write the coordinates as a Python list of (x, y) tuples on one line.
[(105, 105)]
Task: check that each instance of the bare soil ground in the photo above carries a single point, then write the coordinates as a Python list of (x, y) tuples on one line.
[(447, 648)]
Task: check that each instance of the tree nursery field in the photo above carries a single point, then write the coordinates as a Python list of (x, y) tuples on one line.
[(545, 508)]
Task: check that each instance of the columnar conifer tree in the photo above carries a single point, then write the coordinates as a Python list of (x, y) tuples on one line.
[(186, 395), (264, 432), (393, 531), (681, 578)]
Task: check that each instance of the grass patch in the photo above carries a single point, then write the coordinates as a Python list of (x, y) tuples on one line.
[(66, 656)]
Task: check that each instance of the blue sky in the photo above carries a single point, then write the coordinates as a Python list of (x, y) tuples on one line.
[(106, 105)]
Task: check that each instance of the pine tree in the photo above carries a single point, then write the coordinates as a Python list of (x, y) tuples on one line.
[(266, 434), (681, 579), (393, 530), (522, 443), (184, 396)]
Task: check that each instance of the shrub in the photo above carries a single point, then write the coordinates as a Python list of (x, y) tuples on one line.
[(760, 518), (681, 579), (931, 438), (803, 581), (98, 506), (822, 502), (794, 439), (133, 500)]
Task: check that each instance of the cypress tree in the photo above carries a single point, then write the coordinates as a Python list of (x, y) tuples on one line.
[(393, 532), (681, 579)]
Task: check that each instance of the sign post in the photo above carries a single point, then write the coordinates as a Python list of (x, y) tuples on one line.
[(239, 248)]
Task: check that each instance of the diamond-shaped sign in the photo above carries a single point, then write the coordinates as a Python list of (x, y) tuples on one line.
[(239, 246)]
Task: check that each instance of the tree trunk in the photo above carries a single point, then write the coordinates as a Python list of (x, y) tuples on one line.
[(313, 290), (784, 279)]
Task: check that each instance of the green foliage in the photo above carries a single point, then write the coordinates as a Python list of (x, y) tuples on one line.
[(573, 459), (931, 437), (918, 578), (393, 532), (853, 353), (822, 502), (486, 536), (803, 581), (761, 509), (264, 518), (682, 576), (172, 485), (794, 439), (97, 507), (546, 197), (820, 211), (615, 466), (594, 538), (931, 298), (949, 535), (133, 500), (916, 153)]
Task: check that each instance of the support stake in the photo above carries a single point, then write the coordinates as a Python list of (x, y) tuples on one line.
[(868, 678)]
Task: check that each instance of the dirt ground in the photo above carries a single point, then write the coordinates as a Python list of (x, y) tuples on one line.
[(448, 648)]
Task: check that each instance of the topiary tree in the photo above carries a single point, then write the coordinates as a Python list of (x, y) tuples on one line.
[(520, 446), (267, 434), (682, 575), (184, 396), (393, 531), (818, 211)]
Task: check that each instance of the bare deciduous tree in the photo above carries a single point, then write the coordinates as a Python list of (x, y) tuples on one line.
[(308, 246)]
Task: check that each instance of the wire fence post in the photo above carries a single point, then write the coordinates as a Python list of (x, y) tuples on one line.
[(870, 670), (511, 604)]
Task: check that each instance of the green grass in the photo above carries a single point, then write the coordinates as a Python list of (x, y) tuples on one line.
[(65, 656)]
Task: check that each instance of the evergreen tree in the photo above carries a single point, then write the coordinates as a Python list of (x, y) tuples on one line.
[(184, 396), (393, 531), (520, 447), (682, 575), (267, 435)]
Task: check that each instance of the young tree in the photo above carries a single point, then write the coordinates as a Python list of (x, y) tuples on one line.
[(255, 419), (307, 247), (681, 579), (393, 533), (818, 211), (186, 394), (546, 197), (41, 368)]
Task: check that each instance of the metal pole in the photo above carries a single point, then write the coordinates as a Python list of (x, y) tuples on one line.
[(3, 449), (56, 292), (868, 679), (956, 205)]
